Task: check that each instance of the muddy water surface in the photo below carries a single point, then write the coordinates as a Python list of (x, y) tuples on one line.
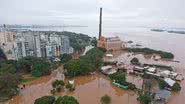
[(89, 90), (169, 42)]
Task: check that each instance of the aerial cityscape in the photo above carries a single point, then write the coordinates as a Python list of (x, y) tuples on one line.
[(92, 52)]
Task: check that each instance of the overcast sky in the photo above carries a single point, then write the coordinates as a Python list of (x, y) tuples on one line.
[(86, 12)]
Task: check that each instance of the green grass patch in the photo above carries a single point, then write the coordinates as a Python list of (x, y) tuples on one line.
[(26, 80)]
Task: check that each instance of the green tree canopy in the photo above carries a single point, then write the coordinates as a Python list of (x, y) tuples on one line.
[(94, 57), (77, 67), (94, 41), (118, 78), (9, 84), (162, 84), (105, 99), (86, 64), (37, 66), (67, 100), (45, 100), (145, 98), (65, 58), (57, 83), (9, 80), (77, 40), (2, 55), (176, 87), (135, 61), (40, 69)]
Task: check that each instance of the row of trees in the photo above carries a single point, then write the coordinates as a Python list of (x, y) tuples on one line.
[(58, 85), (67, 100), (163, 54), (34, 65), (86, 64), (56, 100)]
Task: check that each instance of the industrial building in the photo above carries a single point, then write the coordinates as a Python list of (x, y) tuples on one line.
[(109, 43)]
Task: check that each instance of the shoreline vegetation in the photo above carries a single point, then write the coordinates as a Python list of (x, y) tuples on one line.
[(56, 100), (163, 54), (169, 31)]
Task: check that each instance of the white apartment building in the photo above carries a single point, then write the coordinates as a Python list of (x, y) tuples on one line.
[(35, 44)]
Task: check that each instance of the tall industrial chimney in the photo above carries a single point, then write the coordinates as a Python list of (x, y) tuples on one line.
[(100, 24)]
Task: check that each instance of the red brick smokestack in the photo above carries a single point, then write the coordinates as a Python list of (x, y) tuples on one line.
[(100, 24)]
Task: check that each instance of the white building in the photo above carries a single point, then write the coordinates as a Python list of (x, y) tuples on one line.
[(35, 44)]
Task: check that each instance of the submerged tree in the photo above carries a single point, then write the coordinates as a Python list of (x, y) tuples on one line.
[(145, 98), (176, 87), (67, 100), (57, 85), (135, 61), (45, 100), (105, 99), (118, 78)]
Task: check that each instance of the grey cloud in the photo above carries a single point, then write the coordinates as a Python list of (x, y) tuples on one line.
[(122, 12)]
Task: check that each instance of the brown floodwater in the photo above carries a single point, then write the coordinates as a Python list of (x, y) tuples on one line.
[(170, 42), (122, 56), (89, 90)]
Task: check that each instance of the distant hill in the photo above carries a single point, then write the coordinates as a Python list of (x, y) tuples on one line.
[(177, 31)]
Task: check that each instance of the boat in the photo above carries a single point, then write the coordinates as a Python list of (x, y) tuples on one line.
[(120, 86)]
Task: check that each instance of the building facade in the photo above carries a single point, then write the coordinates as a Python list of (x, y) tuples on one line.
[(41, 45), (7, 40), (111, 43), (31, 43)]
